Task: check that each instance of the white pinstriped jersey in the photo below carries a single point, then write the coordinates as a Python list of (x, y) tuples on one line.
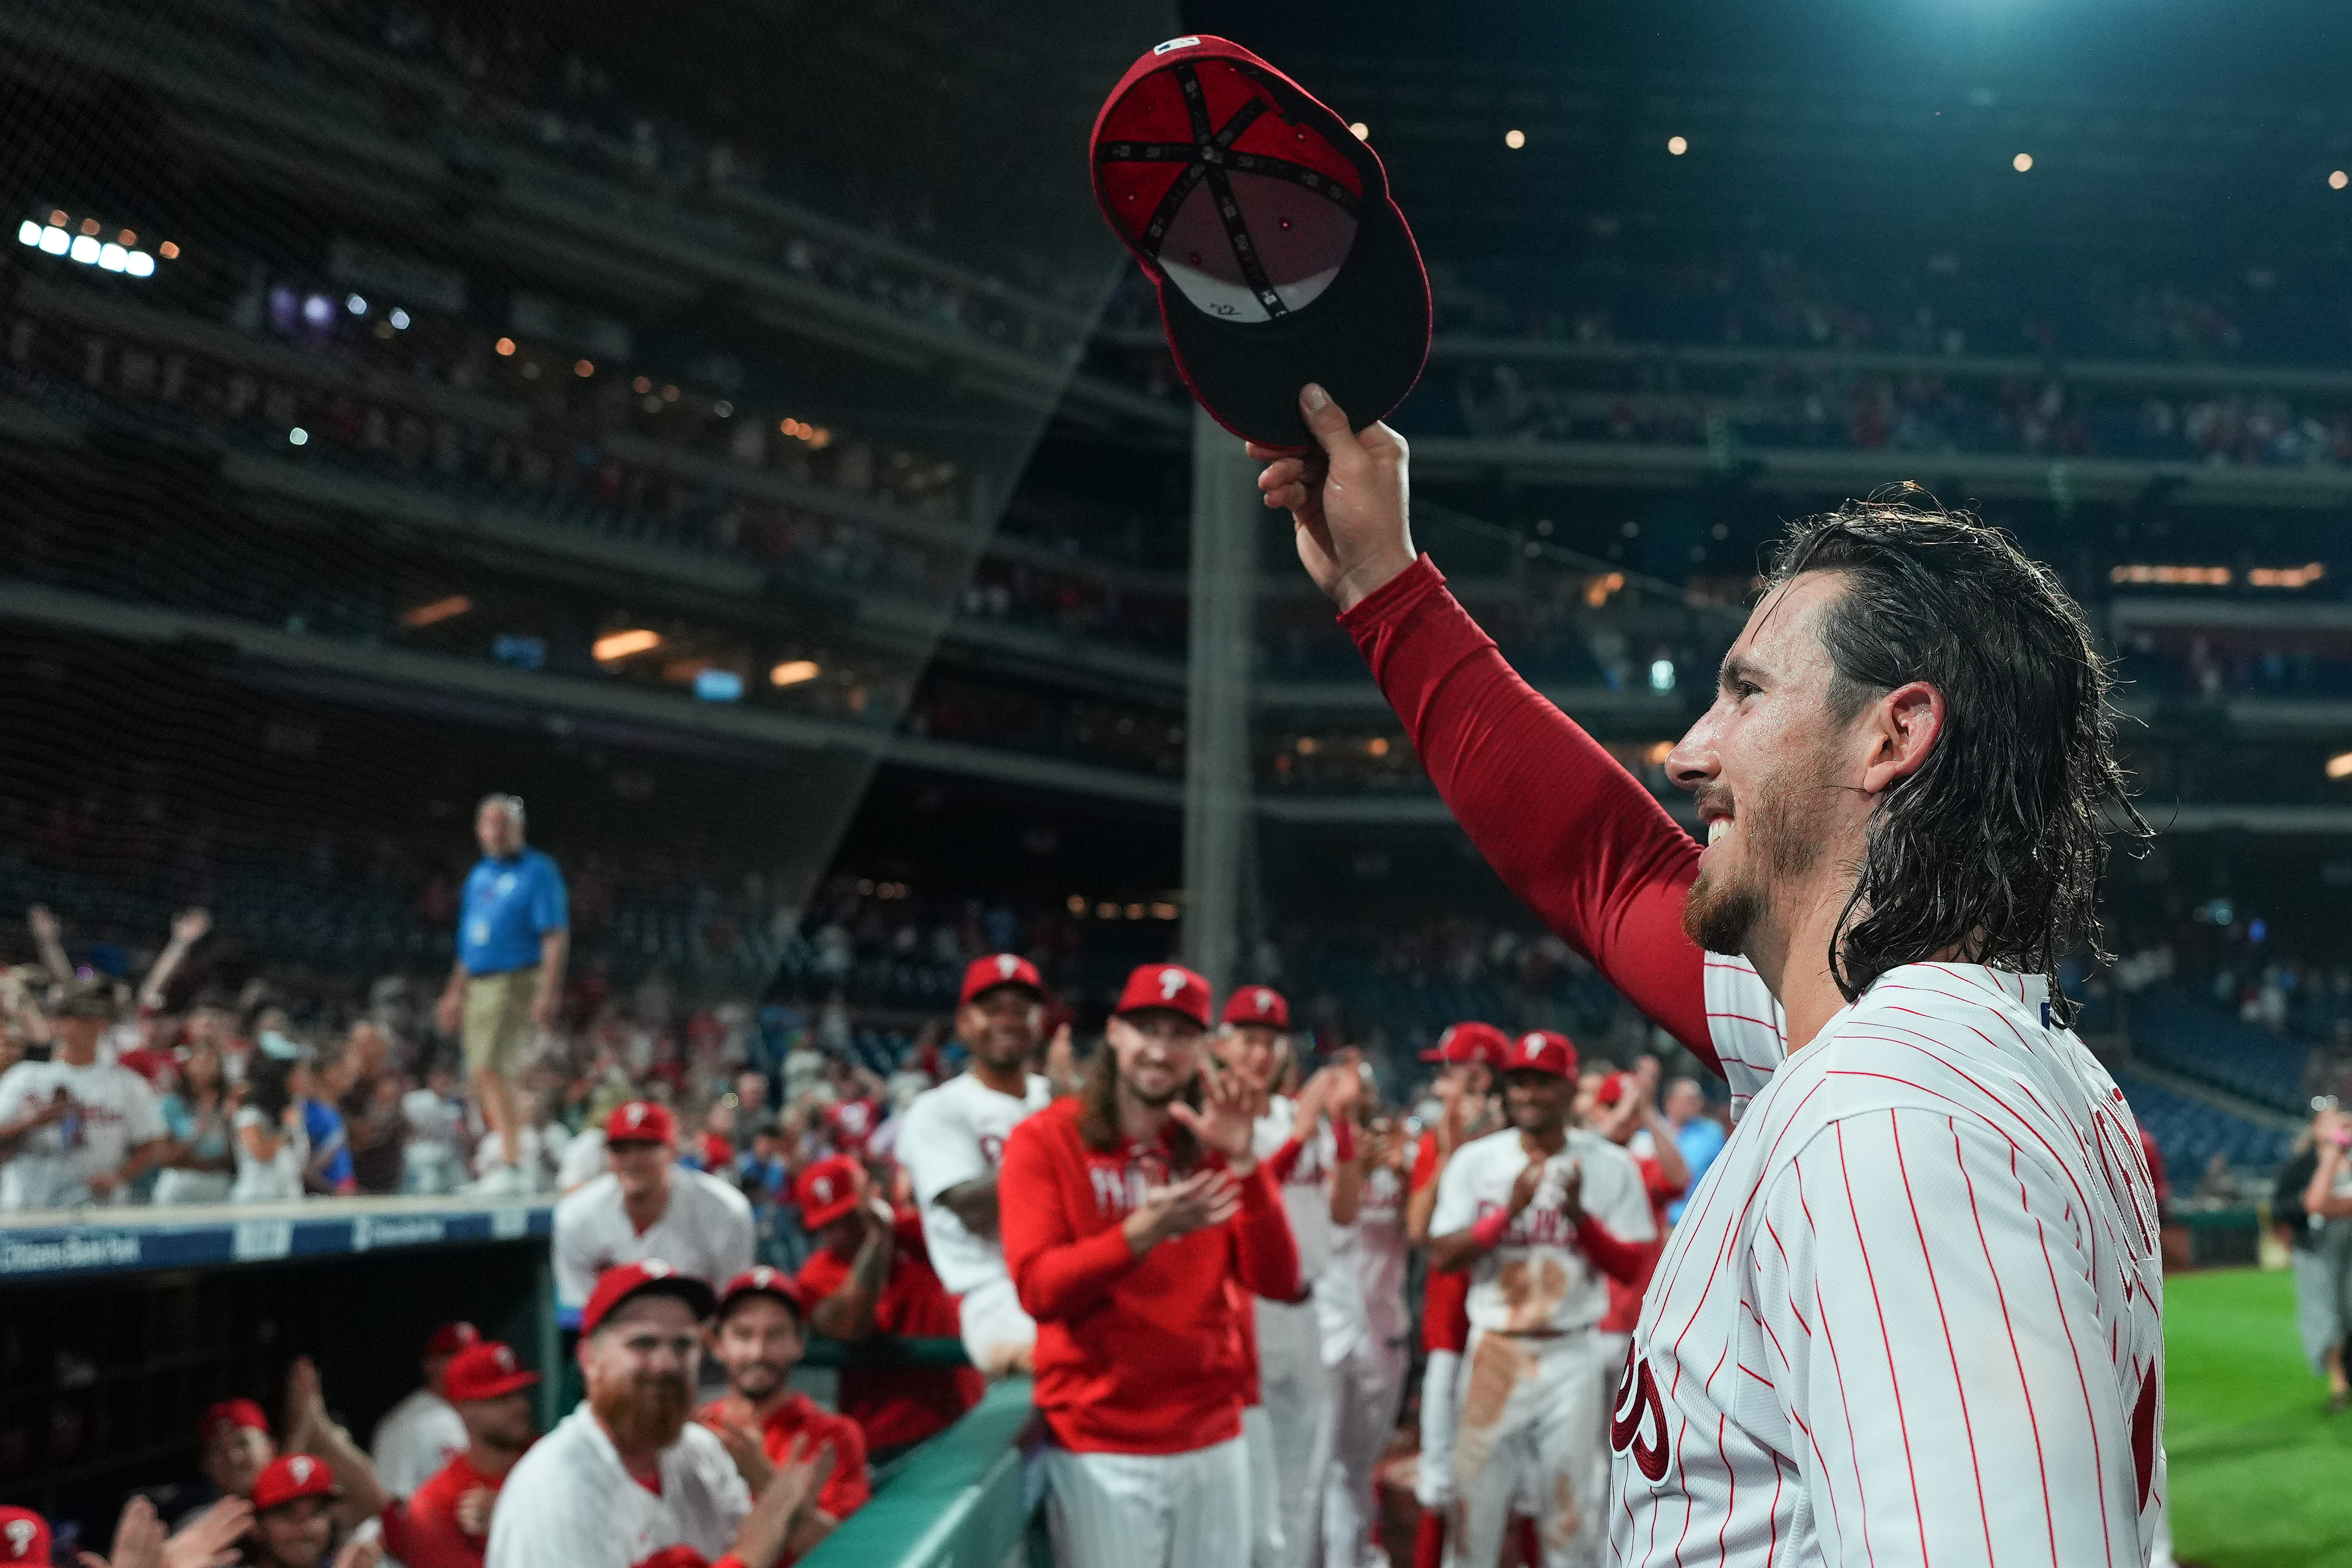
[(1915, 1308), (1538, 1277)]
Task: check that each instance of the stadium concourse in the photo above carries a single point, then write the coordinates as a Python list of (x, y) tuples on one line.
[(686, 876)]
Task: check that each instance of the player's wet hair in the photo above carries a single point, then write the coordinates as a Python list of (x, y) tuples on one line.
[(1993, 848), (1098, 1112)]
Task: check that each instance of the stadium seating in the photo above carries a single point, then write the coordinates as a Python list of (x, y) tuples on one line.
[(2203, 1042), (2191, 1133)]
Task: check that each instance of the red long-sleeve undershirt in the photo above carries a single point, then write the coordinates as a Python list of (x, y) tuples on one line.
[(1570, 832), (1627, 1262)]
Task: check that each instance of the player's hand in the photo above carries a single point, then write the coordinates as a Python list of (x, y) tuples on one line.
[(44, 924), (751, 1462), (1571, 1193), (138, 1539), (1347, 500), (1202, 1199), (760, 1540), (472, 1510), (306, 1403), (209, 1540), (190, 926), (60, 1106), (1223, 1120), (1061, 1061), (1313, 1102), (361, 1553), (1526, 1184), (449, 1012), (1347, 1084)]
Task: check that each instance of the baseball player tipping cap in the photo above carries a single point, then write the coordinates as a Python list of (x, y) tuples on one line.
[(24, 1538), (1260, 1004), (487, 1370), (1542, 1050), (294, 1477), (1266, 226), (1166, 988), (1470, 1042), (997, 969), (649, 1276), (640, 1121)]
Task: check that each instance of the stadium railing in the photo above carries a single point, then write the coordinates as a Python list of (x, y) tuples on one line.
[(964, 1500)]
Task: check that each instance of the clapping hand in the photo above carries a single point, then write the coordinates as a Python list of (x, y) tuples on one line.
[(1202, 1199), (766, 1528), (1223, 1120)]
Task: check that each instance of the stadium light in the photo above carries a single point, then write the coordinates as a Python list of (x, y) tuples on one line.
[(355, 304), (1662, 675), (1678, 145), (114, 258), (84, 249), (620, 644), (399, 319), (2338, 180), (2022, 162), (718, 686), (439, 610), (506, 347), (298, 436), (1515, 139), (794, 672), (55, 241), (1363, 132), (2340, 766)]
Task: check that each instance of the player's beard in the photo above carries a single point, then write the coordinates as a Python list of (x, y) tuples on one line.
[(1783, 822), (757, 1380), (647, 1412)]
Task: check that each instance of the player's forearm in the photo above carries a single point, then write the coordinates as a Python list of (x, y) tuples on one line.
[(1627, 1262), (143, 1159), (1572, 832), (1419, 1206), (167, 964), (1061, 1282), (1346, 1189), (1265, 1253), (973, 1203), (1456, 1250), (1668, 1154), (554, 950)]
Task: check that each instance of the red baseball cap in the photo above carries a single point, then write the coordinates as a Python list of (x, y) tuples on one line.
[(1001, 969), (1266, 226), (485, 1369), (641, 1121), (1613, 1087), (24, 1538), (1258, 1005), (1168, 988), (291, 1476), (1470, 1042), (647, 1277), (762, 1280), (228, 1415), (826, 1190), (451, 1338), (1543, 1050)]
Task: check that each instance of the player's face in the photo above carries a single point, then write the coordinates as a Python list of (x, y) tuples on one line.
[(1537, 1101), (504, 1422), (1767, 765), (637, 1165), (295, 1534), (640, 1366), (1253, 1052), (1158, 1052), (235, 1458), (759, 1343), (1002, 1026)]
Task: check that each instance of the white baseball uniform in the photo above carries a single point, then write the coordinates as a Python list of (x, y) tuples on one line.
[(950, 1135), (1292, 1382), (415, 1439), (1150, 1510), (1915, 1306), (114, 1113), (1534, 1387), (1367, 1355), (570, 1503), (706, 1231)]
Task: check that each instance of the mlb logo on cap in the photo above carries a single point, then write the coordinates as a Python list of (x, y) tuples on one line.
[(640, 1121), (762, 1280), (1258, 1005), (1001, 969), (1166, 988), (826, 1191), (649, 1276), (292, 1478), (1267, 226), (1543, 1050)]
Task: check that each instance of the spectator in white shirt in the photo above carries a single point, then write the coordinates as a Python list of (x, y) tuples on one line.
[(73, 1130), (434, 1159), (271, 1146), (647, 1205), (417, 1436)]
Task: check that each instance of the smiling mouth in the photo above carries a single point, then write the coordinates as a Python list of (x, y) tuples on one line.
[(1716, 828)]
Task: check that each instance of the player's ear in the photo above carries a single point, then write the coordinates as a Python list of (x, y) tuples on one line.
[(1900, 730)]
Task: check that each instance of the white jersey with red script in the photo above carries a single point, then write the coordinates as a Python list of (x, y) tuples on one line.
[(1540, 1279), (1914, 1308), (1305, 1183), (570, 1503), (706, 1231), (950, 1135)]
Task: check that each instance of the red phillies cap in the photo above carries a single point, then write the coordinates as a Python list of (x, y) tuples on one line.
[(451, 1338), (1470, 1042), (294, 1476), (1613, 1087), (640, 1121), (825, 1191), (1267, 227), (647, 1276), (762, 1280), (986, 975), (1168, 987), (1543, 1050), (1258, 1005), (228, 1415), (24, 1538), (485, 1369)]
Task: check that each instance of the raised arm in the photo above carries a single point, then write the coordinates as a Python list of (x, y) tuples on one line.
[(188, 928), (1575, 835)]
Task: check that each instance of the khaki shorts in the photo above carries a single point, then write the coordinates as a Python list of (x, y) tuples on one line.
[(497, 1020)]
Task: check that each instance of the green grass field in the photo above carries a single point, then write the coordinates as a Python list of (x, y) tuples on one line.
[(2261, 1477)]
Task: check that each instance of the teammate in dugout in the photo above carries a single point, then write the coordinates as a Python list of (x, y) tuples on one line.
[(1917, 1298), (446, 1521), (627, 1480), (420, 1433), (760, 1332), (1136, 1220), (951, 1141), (646, 1205)]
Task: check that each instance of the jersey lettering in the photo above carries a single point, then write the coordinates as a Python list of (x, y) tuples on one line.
[(991, 1149), (1638, 1406), (1537, 1225)]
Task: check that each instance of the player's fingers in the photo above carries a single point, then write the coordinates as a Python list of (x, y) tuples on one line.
[(1327, 422), (1265, 454)]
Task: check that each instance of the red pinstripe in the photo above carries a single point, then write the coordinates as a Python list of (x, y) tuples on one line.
[(2090, 1412), (1960, 1383), (1821, 1312), (1870, 1272)]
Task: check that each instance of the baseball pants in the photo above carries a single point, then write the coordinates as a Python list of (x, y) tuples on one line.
[(1439, 1407), (1148, 1510), (1265, 1512), (1366, 1386), (991, 1317), (1296, 1393), (1534, 1426)]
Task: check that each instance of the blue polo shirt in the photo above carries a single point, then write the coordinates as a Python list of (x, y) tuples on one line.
[(509, 905)]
